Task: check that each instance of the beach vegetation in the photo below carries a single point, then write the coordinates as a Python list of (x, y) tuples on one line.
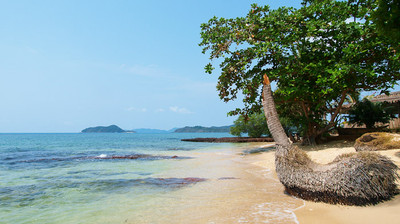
[(315, 55), (255, 126), (362, 178), (370, 113)]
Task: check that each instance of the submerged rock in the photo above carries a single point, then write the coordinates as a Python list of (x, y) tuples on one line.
[(108, 157)]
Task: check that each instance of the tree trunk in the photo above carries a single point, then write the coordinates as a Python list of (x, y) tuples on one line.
[(309, 140), (347, 180), (311, 137), (274, 125)]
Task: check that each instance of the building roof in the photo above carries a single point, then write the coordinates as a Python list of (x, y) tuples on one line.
[(393, 97)]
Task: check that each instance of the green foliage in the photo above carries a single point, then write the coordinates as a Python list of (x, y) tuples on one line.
[(369, 113), (255, 126), (291, 118), (315, 55), (387, 18)]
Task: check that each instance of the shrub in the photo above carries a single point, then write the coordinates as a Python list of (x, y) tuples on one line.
[(369, 113)]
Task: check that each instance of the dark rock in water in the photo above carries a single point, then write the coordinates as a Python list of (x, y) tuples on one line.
[(174, 182), (105, 157), (27, 194), (229, 139), (138, 156), (258, 150), (228, 178)]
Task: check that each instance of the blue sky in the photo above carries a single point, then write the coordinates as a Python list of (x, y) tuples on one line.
[(68, 65)]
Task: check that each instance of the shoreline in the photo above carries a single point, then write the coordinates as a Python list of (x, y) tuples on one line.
[(317, 212)]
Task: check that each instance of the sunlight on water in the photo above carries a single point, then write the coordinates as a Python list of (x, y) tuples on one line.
[(129, 178)]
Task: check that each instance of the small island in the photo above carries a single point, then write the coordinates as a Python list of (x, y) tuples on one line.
[(104, 129)]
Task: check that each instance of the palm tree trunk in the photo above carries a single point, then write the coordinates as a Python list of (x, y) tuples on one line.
[(274, 125), (347, 180)]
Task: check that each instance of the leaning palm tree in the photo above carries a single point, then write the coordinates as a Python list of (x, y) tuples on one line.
[(352, 179)]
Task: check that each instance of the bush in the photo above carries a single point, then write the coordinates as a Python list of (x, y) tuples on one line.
[(369, 113), (255, 126)]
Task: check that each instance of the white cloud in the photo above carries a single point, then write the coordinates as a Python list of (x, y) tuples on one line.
[(180, 110), (160, 110), (134, 109), (142, 70), (175, 109)]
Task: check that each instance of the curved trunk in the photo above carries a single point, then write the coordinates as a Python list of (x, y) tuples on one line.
[(274, 125), (347, 180)]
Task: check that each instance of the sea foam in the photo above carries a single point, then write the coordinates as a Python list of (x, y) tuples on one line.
[(102, 156)]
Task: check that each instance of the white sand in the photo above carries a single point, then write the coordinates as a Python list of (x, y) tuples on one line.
[(386, 212)]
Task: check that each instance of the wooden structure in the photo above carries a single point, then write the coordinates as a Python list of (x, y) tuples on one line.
[(393, 99)]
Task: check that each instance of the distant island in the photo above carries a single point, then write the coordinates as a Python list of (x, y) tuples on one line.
[(104, 129), (201, 129), (153, 131), (187, 129)]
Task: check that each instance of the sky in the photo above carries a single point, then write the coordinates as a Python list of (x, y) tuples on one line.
[(69, 65)]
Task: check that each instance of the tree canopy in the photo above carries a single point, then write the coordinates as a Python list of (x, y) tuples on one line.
[(386, 15), (316, 55)]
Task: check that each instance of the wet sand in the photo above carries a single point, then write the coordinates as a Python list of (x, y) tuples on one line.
[(236, 191), (245, 189), (311, 212)]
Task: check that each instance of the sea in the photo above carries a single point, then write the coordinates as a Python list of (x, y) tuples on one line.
[(136, 178)]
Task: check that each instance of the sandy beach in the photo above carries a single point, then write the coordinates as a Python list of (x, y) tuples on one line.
[(244, 188), (311, 212)]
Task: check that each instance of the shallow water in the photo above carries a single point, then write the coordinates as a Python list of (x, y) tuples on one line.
[(134, 178)]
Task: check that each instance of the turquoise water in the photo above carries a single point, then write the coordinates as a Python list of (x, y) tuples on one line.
[(84, 178)]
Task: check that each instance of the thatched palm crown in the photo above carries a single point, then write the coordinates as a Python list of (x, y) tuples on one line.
[(353, 179)]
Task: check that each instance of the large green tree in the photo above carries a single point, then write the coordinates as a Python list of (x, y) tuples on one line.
[(316, 55)]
